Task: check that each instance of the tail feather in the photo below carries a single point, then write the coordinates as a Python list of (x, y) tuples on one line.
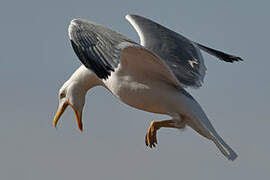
[(197, 120), (225, 149)]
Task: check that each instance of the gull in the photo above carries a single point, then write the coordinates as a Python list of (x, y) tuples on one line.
[(150, 76)]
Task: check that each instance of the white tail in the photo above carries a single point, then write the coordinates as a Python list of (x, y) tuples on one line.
[(200, 123), (225, 149)]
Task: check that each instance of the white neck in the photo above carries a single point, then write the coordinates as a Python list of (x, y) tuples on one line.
[(85, 79)]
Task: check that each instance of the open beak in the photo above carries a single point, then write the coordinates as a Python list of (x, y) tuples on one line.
[(62, 109)]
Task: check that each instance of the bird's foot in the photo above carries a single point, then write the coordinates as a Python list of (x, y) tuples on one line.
[(151, 135)]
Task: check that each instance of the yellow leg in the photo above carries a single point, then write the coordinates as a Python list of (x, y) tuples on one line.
[(151, 135)]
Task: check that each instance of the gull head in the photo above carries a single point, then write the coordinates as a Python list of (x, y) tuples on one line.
[(71, 94)]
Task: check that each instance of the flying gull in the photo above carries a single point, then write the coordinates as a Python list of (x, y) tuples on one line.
[(150, 76)]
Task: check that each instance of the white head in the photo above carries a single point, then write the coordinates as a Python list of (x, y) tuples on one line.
[(73, 93)]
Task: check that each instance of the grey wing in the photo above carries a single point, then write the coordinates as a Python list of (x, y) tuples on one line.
[(179, 53), (97, 47), (182, 55)]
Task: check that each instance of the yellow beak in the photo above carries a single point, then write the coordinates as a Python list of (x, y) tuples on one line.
[(62, 109)]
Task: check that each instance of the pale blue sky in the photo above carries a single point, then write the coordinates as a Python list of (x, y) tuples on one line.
[(36, 58)]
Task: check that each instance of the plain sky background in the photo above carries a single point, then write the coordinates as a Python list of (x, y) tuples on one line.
[(36, 58)]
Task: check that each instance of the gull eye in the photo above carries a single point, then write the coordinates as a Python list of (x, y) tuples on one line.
[(62, 95)]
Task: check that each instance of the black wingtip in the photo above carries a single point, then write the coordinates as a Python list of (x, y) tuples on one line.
[(230, 58), (219, 54), (101, 70)]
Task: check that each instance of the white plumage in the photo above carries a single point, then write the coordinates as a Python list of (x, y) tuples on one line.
[(150, 76)]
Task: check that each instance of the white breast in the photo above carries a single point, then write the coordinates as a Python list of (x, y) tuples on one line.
[(142, 92)]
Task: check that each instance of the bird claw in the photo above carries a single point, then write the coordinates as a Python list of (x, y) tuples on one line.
[(151, 136)]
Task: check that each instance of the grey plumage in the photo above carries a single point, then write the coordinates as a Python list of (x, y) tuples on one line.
[(98, 47), (177, 51), (182, 55), (151, 75)]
